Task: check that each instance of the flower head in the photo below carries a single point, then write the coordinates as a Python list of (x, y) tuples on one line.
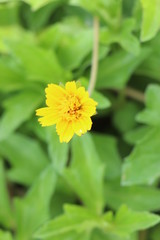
[(70, 108)]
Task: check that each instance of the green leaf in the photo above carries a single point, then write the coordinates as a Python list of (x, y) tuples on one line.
[(39, 64), (85, 175), (151, 19), (37, 19), (106, 147), (136, 135), (6, 215), (9, 14), (155, 233), (34, 209), (120, 67), (5, 235), (25, 156), (109, 11), (58, 151), (146, 151), (151, 115), (102, 101), (71, 236), (137, 198), (128, 7), (127, 221), (127, 39), (19, 109), (76, 218), (103, 52), (128, 112), (142, 165), (150, 67), (72, 40), (73, 48), (123, 36), (13, 33), (80, 219), (62, 196), (101, 235), (10, 78), (34, 127), (36, 4)]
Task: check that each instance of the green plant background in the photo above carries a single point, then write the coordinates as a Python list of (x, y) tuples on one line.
[(105, 184)]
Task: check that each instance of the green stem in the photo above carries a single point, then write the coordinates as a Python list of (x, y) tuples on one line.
[(94, 67)]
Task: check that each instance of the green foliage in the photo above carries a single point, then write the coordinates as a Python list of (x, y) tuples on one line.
[(123, 37), (150, 66), (45, 62), (103, 185), (139, 198), (146, 151), (151, 114), (75, 218), (144, 159), (10, 78), (155, 233), (120, 67), (57, 150), (127, 111), (25, 156), (6, 216), (14, 107), (127, 221), (151, 19), (81, 174), (102, 101), (33, 209), (107, 149), (79, 219), (72, 45), (36, 4), (5, 235)]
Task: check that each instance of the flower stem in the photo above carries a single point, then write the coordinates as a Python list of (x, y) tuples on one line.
[(143, 235), (135, 94), (94, 67), (132, 93)]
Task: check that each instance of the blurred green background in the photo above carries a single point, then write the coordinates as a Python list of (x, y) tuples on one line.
[(118, 163)]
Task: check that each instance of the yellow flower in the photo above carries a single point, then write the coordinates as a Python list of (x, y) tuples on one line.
[(70, 108)]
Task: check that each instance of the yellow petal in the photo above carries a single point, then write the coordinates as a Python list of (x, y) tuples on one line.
[(54, 94), (44, 111), (89, 107), (89, 111), (71, 87), (47, 120), (82, 125), (82, 93), (90, 102), (65, 130), (48, 116)]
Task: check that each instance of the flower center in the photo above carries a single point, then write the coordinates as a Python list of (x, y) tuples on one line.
[(73, 107)]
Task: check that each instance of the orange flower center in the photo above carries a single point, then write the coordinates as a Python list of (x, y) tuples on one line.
[(72, 107)]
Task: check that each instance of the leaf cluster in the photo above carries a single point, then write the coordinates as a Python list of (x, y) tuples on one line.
[(105, 184)]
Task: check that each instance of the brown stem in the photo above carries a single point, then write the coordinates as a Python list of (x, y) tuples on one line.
[(132, 93), (143, 235), (94, 68), (135, 94)]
